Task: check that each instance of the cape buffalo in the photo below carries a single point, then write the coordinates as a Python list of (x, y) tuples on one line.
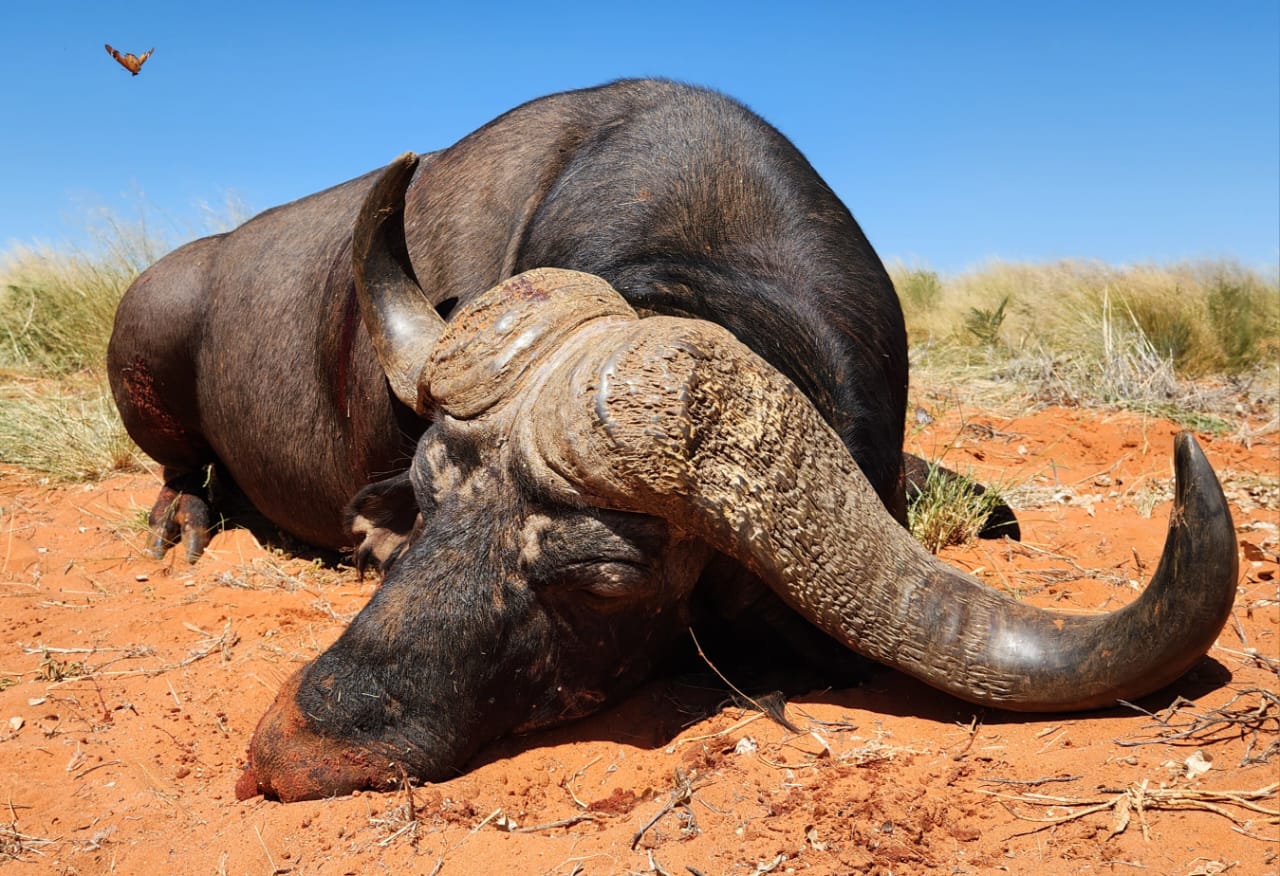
[(557, 479)]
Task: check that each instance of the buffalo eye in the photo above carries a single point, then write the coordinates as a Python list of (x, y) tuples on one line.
[(607, 580), (607, 556)]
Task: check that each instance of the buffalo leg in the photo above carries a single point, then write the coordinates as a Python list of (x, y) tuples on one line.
[(180, 513)]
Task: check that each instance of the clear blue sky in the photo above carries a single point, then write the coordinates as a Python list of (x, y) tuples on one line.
[(955, 131)]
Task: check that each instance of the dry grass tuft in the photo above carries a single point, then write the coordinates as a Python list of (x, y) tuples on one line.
[(949, 511), (68, 428), (56, 312), (57, 665), (400, 822), (1085, 333), (18, 846)]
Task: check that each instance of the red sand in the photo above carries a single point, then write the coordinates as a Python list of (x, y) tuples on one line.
[(130, 687)]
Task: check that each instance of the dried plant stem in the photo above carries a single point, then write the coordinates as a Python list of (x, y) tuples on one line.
[(1139, 798)]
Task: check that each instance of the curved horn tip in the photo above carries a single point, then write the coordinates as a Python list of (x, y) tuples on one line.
[(1188, 456), (398, 317), (405, 162), (1194, 476), (392, 183)]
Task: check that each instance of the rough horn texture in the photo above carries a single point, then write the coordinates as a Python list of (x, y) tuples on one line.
[(678, 419)]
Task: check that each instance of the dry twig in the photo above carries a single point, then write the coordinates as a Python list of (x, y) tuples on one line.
[(774, 707), (1138, 799), (552, 825), (57, 671), (681, 796), (401, 819), (1046, 780), (568, 783), (14, 844), (439, 865), (1180, 724)]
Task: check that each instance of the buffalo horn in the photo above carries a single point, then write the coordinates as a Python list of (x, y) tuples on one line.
[(676, 418), (400, 320)]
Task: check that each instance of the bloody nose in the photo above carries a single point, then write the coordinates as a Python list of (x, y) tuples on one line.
[(290, 761)]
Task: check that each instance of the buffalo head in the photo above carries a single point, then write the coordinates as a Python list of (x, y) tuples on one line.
[(581, 468)]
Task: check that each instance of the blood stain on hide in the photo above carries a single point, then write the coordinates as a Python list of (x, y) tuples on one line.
[(140, 387), (522, 289)]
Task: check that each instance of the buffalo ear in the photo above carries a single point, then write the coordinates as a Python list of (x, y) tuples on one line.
[(400, 320)]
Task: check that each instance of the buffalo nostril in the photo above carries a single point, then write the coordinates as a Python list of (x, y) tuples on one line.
[(290, 761), (247, 785)]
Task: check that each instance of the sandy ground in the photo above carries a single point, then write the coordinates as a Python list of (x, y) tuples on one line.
[(129, 688)]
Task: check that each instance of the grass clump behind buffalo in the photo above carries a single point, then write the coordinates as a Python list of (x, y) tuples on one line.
[(1080, 332), (56, 312), (948, 511), (57, 306)]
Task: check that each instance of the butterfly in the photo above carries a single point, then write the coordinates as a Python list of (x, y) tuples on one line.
[(130, 61)]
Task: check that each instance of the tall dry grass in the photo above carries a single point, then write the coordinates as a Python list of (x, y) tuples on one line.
[(1083, 332), (56, 310)]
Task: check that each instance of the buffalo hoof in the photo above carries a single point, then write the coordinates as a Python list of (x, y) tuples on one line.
[(179, 515), (379, 548)]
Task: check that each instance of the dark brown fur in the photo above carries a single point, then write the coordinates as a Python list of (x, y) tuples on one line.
[(683, 200)]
